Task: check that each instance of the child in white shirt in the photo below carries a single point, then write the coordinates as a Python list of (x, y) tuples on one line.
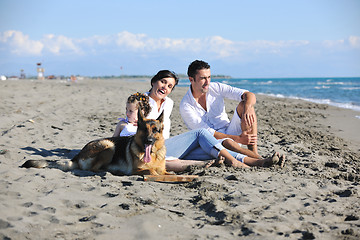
[(128, 126)]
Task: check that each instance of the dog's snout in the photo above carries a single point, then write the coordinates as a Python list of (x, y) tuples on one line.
[(150, 140)]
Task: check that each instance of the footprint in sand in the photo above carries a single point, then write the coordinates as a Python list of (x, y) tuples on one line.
[(4, 224)]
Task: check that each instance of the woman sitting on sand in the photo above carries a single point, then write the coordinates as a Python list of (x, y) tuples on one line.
[(197, 144)]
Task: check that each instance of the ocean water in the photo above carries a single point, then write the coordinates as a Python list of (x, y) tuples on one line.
[(340, 92)]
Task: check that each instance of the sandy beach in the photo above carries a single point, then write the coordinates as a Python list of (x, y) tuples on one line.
[(315, 196)]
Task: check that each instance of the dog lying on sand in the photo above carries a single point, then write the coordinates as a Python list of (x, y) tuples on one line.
[(140, 154)]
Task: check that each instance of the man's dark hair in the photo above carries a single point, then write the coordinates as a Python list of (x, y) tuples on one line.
[(195, 66)]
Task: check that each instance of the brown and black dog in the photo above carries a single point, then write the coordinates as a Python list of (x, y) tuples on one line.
[(142, 153)]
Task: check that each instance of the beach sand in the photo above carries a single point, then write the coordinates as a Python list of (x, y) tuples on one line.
[(315, 196)]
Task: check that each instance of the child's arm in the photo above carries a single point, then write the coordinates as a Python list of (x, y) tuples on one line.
[(119, 127)]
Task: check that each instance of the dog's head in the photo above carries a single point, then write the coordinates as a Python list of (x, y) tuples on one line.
[(149, 133)]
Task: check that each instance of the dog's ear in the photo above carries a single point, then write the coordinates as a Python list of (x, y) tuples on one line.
[(161, 117), (140, 115)]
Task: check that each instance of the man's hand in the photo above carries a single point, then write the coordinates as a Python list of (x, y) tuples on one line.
[(246, 138), (247, 113), (249, 116)]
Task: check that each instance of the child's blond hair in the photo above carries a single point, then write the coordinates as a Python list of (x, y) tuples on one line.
[(142, 101)]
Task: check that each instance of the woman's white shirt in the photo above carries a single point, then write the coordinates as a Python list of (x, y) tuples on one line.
[(165, 107)]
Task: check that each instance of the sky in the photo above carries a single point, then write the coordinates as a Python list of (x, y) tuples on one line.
[(239, 38)]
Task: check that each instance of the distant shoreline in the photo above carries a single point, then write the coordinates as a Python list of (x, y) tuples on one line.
[(181, 76), (145, 78)]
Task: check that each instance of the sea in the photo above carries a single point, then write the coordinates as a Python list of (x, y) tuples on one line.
[(339, 92)]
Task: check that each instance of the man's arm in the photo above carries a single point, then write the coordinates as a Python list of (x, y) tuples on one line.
[(244, 138), (246, 99), (193, 121), (248, 113)]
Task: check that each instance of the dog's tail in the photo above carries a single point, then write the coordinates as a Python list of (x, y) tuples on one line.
[(65, 165)]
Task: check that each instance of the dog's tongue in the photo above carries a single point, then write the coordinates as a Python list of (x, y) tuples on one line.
[(147, 157)]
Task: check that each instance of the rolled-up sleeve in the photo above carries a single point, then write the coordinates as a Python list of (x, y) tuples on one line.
[(227, 91)]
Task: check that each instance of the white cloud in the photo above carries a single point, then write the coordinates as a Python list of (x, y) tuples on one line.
[(60, 44), (354, 41), (220, 46), (215, 47), (130, 40), (95, 40), (20, 43), (333, 43), (126, 41)]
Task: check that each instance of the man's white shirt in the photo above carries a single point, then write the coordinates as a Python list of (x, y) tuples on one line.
[(215, 118)]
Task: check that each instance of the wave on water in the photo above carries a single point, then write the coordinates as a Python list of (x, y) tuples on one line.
[(331, 83), (339, 92), (350, 88), (264, 83), (320, 101), (322, 87)]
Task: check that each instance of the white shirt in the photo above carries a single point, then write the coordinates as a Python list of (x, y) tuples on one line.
[(128, 130), (167, 107), (215, 118)]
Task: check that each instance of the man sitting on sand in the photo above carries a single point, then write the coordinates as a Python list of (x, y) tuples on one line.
[(203, 107)]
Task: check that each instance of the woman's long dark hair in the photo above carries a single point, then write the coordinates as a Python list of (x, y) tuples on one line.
[(164, 74)]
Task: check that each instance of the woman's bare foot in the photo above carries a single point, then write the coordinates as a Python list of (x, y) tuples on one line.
[(281, 163), (275, 159), (219, 161), (271, 161), (209, 163), (214, 163)]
